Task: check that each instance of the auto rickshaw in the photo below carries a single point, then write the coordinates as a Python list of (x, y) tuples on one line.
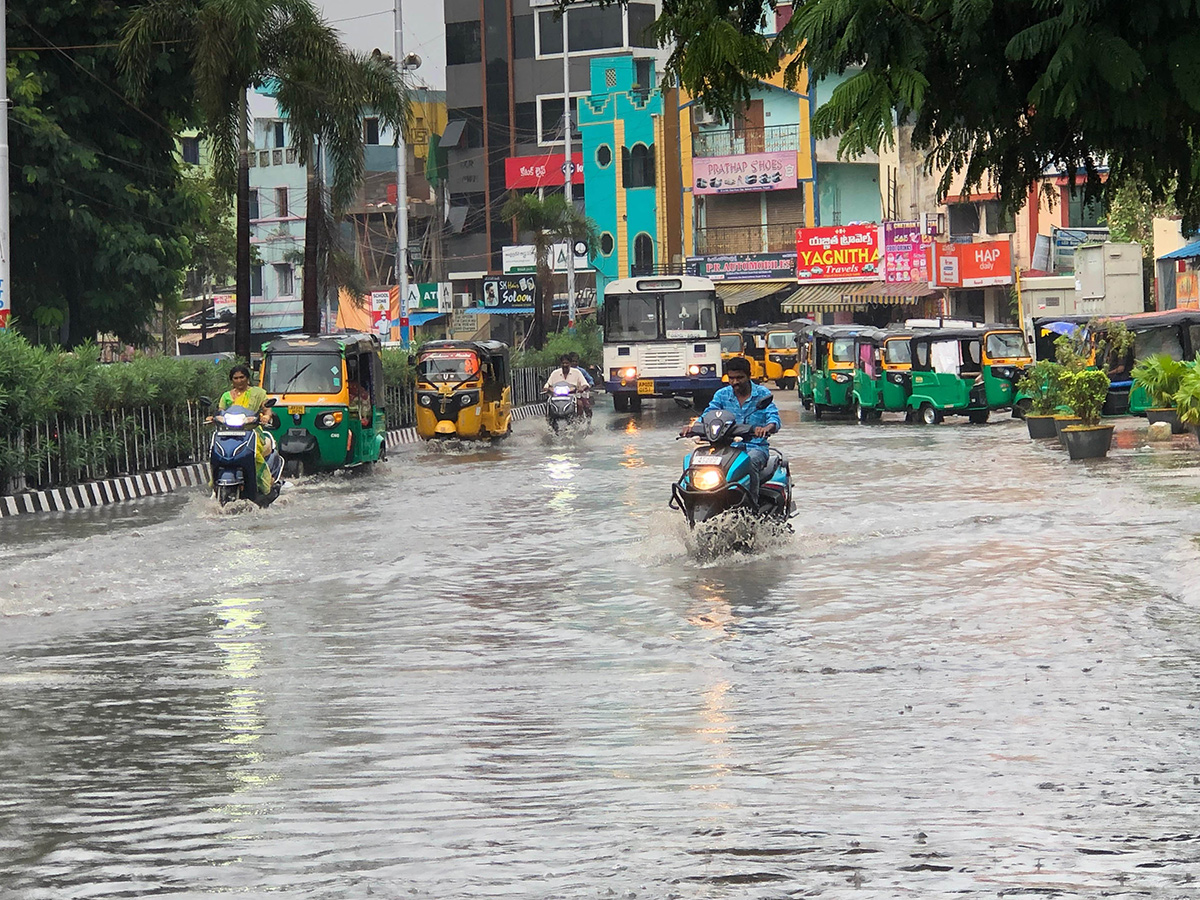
[(831, 373), (882, 372), (329, 411), (1175, 332), (803, 330), (966, 371), (754, 348), (780, 362), (731, 346), (463, 390)]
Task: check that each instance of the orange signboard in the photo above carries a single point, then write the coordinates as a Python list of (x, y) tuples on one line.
[(1187, 289), (971, 265)]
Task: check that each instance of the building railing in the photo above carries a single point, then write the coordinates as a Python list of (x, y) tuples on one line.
[(777, 237), (740, 141)]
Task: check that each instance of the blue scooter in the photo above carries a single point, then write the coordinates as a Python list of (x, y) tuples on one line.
[(716, 475), (234, 473)]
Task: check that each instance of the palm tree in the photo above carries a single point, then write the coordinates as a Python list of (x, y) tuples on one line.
[(320, 86), (548, 221)]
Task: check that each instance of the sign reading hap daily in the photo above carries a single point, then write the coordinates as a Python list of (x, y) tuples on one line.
[(984, 264), (837, 253)]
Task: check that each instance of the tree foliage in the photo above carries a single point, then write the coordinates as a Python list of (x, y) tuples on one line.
[(101, 223), (997, 91)]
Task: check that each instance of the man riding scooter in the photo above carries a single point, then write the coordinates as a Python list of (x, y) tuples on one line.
[(575, 378), (741, 398)]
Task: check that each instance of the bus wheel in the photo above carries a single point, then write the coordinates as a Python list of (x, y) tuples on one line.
[(929, 415), (621, 401), (978, 416), (635, 403)]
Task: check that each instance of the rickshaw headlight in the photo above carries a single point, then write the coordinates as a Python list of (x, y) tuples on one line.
[(706, 478), (329, 419), (425, 400), (1004, 372), (465, 400)]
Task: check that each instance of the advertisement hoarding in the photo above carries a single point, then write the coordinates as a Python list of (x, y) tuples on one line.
[(548, 170), (744, 267), (984, 264), (517, 292), (749, 172), (520, 259), (905, 252), (838, 253)]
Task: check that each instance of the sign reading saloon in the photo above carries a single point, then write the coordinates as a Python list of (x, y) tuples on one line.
[(516, 293), (541, 171), (749, 172), (744, 267), (837, 253)]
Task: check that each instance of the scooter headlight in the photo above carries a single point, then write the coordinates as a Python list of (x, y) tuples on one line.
[(234, 420), (706, 478)]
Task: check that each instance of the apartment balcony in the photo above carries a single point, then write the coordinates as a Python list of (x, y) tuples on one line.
[(740, 141), (778, 237)]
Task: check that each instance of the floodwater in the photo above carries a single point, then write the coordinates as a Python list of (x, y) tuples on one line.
[(973, 671)]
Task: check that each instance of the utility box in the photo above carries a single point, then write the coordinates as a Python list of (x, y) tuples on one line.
[(1109, 279)]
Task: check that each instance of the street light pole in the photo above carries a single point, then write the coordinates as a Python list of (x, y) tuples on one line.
[(401, 188), (568, 168), (5, 303)]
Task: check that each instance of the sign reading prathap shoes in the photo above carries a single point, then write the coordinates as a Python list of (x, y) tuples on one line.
[(515, 293)]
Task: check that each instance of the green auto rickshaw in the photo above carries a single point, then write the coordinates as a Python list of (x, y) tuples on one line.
[(329, 411), (1175, 332), (882, 372), (831, 371), (966, 371)]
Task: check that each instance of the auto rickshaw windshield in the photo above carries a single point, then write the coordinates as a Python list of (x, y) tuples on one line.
[(448, 367), (781, 340), (897, 352), (1006, 345), (843, 350), (731, 343), (303, 373)]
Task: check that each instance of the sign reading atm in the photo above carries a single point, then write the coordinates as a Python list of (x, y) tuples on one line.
[(541, 171)]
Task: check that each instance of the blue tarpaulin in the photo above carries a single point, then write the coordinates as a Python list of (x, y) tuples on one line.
[(1061, 327), (1191, 251), (423, 317)]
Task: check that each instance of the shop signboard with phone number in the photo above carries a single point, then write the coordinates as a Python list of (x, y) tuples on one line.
[(517, 292)]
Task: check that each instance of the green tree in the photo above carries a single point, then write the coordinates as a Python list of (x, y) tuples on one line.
[(101, 223), (234, 45), (547, 222), (994, 91)]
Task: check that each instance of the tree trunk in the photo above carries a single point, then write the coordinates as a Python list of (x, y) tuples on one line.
[(241, 328), (544, 307), (312, 235)]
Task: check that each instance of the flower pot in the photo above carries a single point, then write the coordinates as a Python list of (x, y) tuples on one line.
[(1166, 414), (1061, 422), (1040, 426), (1087, 441)]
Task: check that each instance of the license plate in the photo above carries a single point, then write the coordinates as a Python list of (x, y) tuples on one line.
[(645, 386), (707, 460), (295, 410)]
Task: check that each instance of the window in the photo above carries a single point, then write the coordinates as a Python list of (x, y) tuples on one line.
[(1081, 215), (256, 281), (284, 281), (606, 244), (371, 130), (643, 255), (254, 206), (522, 27), (639, 166), (462, 43), (964, 218), (588, 28), (1158, 340), (550, 111), (996, 221), (603, 156), (641, 17), (281, 202), (644, 73), (280, 141), (525, 121), (190, 146)]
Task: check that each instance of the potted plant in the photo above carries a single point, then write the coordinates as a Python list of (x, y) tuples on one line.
[(1085, 393), (1160, 375), (1187, 398), (1072, 354), (1041, 382)]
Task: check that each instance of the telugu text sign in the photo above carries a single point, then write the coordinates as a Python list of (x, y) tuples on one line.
[(549, 170), (905, 256), (750, 172), (837, 253)]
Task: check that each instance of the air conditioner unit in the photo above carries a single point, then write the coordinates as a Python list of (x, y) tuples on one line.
[(702, 116), (462, 301)]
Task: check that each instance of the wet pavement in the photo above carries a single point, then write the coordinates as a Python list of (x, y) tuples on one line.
[(974, 670)]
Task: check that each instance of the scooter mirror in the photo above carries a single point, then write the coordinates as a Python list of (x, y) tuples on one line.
[(765, 402), (271, 401), (685, 402), (206, 403)]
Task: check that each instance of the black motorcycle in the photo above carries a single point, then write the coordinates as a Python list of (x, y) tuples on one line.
[(565, 408)]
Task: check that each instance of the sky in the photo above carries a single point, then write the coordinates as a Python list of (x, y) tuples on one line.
[(367, 24)]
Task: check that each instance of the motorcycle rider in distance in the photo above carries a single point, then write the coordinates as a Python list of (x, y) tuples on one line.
[(741, 397), (574, 378), (586, 398)]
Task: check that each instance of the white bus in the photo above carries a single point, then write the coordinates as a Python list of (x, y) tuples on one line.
[(661, 339)]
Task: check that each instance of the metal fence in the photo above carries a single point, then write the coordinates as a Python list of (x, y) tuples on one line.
[(740, 141), (70, 449), (778, 237)]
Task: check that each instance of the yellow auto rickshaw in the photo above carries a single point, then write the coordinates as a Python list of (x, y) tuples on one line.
[(754, 348), (463, 390), (780, 363)]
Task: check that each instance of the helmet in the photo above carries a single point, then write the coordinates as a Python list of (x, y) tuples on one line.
[(716, 424)]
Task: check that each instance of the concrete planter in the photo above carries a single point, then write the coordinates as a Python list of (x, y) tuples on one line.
[(1088, 441), (1061, 422), (1040, 427), (1168, 415)]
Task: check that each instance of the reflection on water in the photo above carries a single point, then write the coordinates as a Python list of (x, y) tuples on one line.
[(968, 673)]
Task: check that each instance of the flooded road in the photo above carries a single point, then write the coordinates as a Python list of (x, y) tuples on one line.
[(974, 671)]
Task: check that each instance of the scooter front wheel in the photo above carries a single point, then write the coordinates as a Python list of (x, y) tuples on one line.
[(226, 493)]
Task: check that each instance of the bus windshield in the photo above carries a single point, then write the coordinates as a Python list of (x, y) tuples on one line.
[(685, 315), (303, 373)]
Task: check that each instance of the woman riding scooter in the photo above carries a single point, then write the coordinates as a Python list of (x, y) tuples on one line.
[(253, 399)]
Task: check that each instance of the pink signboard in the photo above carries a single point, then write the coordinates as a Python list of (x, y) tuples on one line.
[(904, 252), (749, 172), (837, 253)]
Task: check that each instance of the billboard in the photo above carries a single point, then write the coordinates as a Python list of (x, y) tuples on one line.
[(744, 267), (838, 253), (985, 264), (905, 252), (516, 292), (548, 170), (749, 172), (520, 259)]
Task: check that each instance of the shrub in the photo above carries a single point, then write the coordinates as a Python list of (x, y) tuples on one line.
[(1187, 397), (587, 340), (1160, 376), (1085, 393), (1043, 383)]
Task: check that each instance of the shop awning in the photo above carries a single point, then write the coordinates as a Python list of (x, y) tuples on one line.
[(855, 295), (1190, 251), (816, 298), (420, 318), (734, 294), (897, 293)]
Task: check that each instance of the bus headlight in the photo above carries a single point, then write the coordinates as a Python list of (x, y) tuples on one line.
[(631, 372), (693, 370), (705, 478)]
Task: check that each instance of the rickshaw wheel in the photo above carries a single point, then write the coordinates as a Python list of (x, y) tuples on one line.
[(929, 415), (860, 414), (978, 417), (817, 411)]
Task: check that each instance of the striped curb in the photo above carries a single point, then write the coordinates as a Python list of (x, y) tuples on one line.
[(409, 435), (101, 493)]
